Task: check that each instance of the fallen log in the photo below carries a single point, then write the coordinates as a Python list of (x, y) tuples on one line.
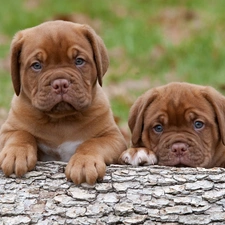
[(127, 195)]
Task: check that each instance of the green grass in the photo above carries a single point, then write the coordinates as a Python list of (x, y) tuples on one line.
[(141, 39)]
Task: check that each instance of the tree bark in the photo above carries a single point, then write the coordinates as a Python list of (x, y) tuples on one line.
[(127, 195)]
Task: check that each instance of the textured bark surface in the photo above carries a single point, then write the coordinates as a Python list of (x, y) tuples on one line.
[(127, 195)]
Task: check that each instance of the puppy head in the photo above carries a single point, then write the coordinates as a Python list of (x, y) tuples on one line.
[(57, 65), (182, 123)]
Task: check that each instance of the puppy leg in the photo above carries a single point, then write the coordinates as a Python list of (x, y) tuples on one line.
[(89, 162), (18, 154), (138, 157)]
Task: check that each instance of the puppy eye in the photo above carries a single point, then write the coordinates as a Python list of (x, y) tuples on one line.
[(79, 61), (198, 125), (36, 66), (158, 128)]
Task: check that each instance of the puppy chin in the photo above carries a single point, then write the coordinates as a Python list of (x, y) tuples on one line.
[(64, 109), (178, 163), (61, 108), (184, 161)]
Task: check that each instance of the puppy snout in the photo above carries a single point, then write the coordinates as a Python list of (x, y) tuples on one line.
[(60, 86), (179, 148)]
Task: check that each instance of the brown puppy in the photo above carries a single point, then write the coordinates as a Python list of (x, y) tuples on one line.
[(178, 124), (59, 111)]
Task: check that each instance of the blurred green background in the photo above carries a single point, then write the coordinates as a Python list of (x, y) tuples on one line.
[(150, 42)]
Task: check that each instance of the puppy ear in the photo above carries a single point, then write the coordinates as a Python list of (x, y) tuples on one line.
[(16, 47), (136, 116), (99, 50), (217, 101)]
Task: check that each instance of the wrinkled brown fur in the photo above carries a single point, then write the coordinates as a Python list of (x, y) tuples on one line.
[(43, 119), (178, 107)]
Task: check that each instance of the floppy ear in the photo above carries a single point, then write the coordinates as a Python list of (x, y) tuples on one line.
[(99, 50), (136, 116), (217, 101), (16, 47)]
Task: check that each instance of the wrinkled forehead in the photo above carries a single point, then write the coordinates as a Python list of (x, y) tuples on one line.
[(55, 39), (177, 107)]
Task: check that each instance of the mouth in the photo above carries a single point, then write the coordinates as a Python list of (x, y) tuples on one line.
[(62, 107), (181, 165), (176, 162)]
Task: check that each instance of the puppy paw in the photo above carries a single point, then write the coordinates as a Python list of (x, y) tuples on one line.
[(18, 160), (138, 157), (84, 168)]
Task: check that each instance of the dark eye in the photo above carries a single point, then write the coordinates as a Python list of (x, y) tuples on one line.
[(36, 66), (158, 128), (198, 125), (79, 61)]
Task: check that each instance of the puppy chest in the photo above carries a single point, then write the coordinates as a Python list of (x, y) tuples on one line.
[(61, 153)]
